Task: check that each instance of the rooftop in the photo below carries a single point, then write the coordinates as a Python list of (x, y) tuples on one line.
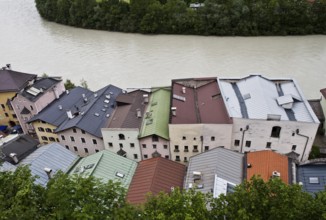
[(52, 156), (12, 81), (106, 165), (155, 175), (323, 92), (198, 100), (268, 164), (214, 170), (156, 118), (317, 108), (126, 114), (256, 97)]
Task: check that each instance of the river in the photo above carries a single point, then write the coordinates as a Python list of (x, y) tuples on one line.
[(33, 45)]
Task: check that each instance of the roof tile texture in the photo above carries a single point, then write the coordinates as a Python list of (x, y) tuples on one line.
[(14, 81)]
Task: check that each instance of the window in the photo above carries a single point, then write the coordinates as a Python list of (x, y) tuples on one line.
[(48, 130), (236, 142), (276, 130), (120, 145), (145, 156), (6, 114), (121, 137), (14, 115), (185, 159), (176, 148), (57, 139), (94, 141), (51, 139), (167, 156), (63, 137), (195, 148), (143, 145), (186, 149), (86, 150), (132, 145), (313, 180), (135, 156), (3, 106), (268, 145), (83, 140), (74, 130), (31, 107), (40, 129), (248, 143), (75, 148), (110, 144), (154, 138), (67, 147), (154, 146), (206, 148), (96, 150), (212, 138), (165, 146), (184, 138), (72, 138), (195, 138), (294, 147), (44, 138), (177, 158), (83, 132)]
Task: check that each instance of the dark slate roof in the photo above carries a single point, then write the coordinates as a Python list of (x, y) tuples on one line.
[(312, 176), (12, 81), (22, 146), (317, 108), (55, 113), (93, 114), (43, 84), (125, 115)]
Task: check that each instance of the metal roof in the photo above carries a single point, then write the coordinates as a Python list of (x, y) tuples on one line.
[(156, 121), (53, 156), (256, 97), (224, 163), (106, 165), (155, 175), (12, 81), (312, 177), (6, 166)]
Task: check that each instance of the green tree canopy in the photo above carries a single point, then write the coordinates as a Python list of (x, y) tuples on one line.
[(69, 85)]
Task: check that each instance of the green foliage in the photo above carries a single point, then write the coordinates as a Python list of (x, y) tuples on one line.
[(69, 85), (314, 153), (83, 83), (217, 17)]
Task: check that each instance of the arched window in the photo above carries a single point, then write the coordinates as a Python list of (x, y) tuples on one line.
[(276, 130), (121, 137)]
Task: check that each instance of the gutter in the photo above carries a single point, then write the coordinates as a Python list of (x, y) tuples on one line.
[(243, 134), (307, 139)]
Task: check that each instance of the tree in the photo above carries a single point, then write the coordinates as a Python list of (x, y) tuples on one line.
[(69, 85), (83, 83)]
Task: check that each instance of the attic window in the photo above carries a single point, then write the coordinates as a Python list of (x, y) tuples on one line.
[(121, 175), (97, 114), (313, 180)]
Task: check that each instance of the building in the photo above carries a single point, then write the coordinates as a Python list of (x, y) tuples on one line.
[(153, 176), (154, 133), (15, 148), (121, 135), (268, 164), (215, 171), (323, 103), (312, 175), (106, 166), (318, 110), (47, 160), (269, 114), (199, 120), (11, 82), (33, 98)]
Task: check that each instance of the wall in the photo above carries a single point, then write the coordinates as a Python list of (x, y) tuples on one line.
[(148, 147), (4, 120), (47, 134)]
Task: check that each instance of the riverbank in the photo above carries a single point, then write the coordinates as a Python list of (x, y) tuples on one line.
[(232, 18)]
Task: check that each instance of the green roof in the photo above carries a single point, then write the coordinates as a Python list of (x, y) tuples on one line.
[(156, 121), (106, 165)]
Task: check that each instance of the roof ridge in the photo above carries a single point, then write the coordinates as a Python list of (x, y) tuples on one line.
[(156, 160)]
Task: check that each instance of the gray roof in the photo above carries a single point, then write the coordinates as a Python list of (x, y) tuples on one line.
[(256, 97), (218, 163), (22, 146), (53, 156), (312, 176), (6, 166), (40, 85), (12, 81), (95, 113)]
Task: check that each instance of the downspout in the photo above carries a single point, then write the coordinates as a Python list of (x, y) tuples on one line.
[(243, 134), (307, 139)]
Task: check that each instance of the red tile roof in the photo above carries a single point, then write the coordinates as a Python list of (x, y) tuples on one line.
[(264, 163), (155, 175), (198, 101)]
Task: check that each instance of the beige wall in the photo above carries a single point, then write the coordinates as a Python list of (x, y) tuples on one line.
[(148, 147), (6, 114)]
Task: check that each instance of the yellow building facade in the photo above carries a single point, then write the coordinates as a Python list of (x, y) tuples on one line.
[(7, 114), (45, 132)]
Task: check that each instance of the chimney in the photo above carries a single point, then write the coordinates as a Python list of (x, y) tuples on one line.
[(69, 114), (145, 96), (14, 157), (174, 111), (138, 113), (67, 92), (183, 90), (60, 107), (48, 172), (95, 95), (84, 97), (56, 94)]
